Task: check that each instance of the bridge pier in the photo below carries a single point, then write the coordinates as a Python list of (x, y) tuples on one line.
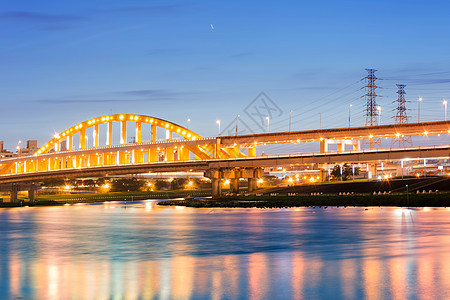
[(233, 174), (13, 193), (252, 184), (31, 192)]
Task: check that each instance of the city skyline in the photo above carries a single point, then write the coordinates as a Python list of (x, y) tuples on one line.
[(66, 63)]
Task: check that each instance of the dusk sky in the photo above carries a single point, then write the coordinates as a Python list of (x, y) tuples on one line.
[(63, 62)]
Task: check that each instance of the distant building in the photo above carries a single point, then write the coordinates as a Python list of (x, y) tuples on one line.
[(4, 153), (29, 150)]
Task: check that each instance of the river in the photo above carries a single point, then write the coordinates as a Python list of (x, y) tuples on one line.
[(144, 251)]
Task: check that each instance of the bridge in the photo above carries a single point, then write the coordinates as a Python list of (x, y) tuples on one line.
[(69, 155)]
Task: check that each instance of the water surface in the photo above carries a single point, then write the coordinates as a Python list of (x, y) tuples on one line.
[(143, 251)]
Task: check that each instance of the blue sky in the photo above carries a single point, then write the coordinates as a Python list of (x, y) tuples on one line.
[(63, 62)]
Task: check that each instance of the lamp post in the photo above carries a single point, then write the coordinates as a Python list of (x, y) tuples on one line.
[(418, 110), (218, 122), (18, 147), (237, 119), (445, 109), (187, 123), (349, 112), (268, 123), (379, 115), (290, 114), (320, 120)]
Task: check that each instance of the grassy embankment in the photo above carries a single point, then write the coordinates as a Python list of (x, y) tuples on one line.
[(61, 199)]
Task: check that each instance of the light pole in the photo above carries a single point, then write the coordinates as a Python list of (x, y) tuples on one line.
[(379, 115), (445, 109), (218, 122), (268, 122), (290, 114), (418, 111), (187, 123), (18, 147), (320, 120), (237, 118), (349, 112)]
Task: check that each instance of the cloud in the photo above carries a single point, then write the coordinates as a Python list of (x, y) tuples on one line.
[(153, 93), (40, 18), (129, 97)]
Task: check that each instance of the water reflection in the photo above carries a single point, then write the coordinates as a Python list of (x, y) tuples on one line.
[(142, 251)]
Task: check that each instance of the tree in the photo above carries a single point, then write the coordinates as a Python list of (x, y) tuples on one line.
[(345, 173), (127, 184)]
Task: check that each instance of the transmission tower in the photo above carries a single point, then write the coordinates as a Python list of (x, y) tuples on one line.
[(401, 118), (371, 107)]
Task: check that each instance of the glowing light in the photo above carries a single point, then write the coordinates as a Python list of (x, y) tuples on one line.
[(260, 180), (397, 134), (226, 181), (67, 187), (170, 179), (106, 186), (417, 175), (121, 117), (149, 184), (425, 132), (311, 179), (370, 136), (190, 183), (290, 180)]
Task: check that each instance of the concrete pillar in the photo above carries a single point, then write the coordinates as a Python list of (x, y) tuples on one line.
[(234, 185), (31, 192), (138, 132), (123, 132), (13, 193), (323, 175), (323, 146), (83, 138), (216, 187), (340, 147), (169, 154), (95, 135), (109, 134), (252, 184), (252, 151), (153, 133)]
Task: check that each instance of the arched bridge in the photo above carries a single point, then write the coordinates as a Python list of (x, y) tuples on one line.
[(98, 147)]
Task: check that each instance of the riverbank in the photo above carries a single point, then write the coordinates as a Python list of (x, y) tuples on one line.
[(55, 200), (440, 199)]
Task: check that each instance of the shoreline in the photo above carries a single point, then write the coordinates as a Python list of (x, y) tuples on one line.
[(440, 199)]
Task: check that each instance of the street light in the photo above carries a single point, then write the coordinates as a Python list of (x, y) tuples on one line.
[(379, 115), (349, 111), (187, 123), (418, 111), (218, 122), (237, 118), (445, 109), (320, 120), (268, 123)]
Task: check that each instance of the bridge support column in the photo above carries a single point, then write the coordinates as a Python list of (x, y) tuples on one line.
[(234, 186), (252, 151), (152, 155), (215, 175), (252, 184), (31, 192), (372, 170), (216, 187), (13, 193)]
